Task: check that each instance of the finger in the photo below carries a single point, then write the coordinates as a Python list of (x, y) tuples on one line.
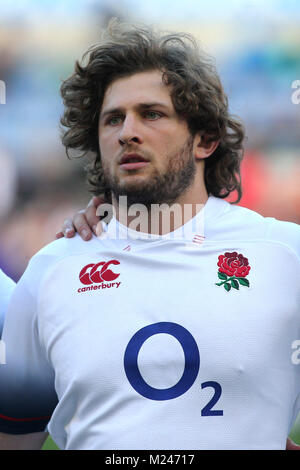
[(59, 235), (97, 201), (68, 228), (92, 219), (98, 229), (81, 226)]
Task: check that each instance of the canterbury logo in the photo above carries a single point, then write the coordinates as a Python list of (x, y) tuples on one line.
[(99, 273), (92, 273)]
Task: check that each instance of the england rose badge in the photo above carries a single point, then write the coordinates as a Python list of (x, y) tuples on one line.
[(233, 270)]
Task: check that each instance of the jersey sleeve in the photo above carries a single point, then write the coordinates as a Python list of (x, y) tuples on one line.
[(7, 286), (27, 393), (287, 233)]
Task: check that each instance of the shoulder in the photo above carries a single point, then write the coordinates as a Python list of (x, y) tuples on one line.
[(285, 233), (239, 223), (6, 283), (54, 253), (271, 230), (267, 227), (67, 247)]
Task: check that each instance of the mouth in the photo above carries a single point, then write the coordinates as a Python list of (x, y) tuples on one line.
[(133, 161)]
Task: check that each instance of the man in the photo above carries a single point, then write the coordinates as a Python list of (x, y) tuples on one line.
[(205, 360)]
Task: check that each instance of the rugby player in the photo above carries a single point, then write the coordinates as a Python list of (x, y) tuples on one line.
[(205, 360)]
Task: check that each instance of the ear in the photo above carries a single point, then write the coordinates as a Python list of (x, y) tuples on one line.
[(203, 147)]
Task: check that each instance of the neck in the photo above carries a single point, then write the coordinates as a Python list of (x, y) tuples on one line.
[(161, 219)]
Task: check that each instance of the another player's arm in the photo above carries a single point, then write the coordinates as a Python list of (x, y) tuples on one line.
[(84, 222), (32, 441), (27, 392)]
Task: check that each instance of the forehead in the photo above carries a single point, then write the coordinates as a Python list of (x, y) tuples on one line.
[(141, 87)]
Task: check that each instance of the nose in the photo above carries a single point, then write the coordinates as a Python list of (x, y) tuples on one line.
[(129, 131)]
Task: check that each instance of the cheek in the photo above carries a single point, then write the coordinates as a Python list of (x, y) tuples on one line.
[(107, 147), (172, 140), (103, 141), (161, 146)]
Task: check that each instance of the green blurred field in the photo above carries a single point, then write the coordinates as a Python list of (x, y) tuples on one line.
[(295, 435), (50, 445)]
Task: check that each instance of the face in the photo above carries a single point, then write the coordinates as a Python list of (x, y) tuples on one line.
[(146, 148)]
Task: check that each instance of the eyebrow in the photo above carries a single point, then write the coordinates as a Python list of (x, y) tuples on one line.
[(140, 106)]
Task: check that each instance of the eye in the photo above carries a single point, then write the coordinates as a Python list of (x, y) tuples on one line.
[(114, 120), (152, 115)]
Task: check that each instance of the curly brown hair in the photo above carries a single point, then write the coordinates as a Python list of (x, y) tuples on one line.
[(196, 92)]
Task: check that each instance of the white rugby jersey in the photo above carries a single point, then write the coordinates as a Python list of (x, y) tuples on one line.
[(157, 342), (7, 286)]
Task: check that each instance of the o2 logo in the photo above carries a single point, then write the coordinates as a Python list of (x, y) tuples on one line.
[(191, 367)]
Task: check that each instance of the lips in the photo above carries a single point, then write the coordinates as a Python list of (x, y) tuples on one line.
[(133, 161), (132, 158)]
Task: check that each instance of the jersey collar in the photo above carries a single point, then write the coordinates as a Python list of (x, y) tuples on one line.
[(197, 226)]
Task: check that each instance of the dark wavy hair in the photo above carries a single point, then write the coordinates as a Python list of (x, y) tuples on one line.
[(196, 92)]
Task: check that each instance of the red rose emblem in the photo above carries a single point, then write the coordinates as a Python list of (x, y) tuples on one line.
[(234, 264), (233, 269)]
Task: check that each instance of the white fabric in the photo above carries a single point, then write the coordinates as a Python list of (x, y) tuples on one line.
[(7, 286), (71, 337)]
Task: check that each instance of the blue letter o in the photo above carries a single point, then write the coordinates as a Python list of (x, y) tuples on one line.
[(191, 354)]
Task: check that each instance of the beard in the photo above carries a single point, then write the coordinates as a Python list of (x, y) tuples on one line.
[(160, 188)]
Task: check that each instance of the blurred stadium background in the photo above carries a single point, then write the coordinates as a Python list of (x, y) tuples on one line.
[(257, 49)]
